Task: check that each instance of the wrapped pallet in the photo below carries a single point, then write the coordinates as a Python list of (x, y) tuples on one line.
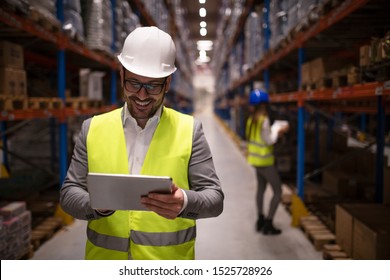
[(73, 23), (97, 16)]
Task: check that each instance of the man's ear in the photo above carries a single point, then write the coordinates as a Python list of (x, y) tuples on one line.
[(168, 83), (121, 72)]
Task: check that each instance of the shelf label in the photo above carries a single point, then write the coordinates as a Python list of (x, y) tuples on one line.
[(379, 91), (336, 92)]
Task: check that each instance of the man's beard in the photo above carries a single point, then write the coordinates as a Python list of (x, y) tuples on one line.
[(153, 110)]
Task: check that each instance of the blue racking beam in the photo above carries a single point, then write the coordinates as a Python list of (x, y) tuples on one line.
[(301, 150), (3, 129), (266, 41), (363, 122), (317, 141), (63, 126), (300, 134), (380, 147), (113, 98)]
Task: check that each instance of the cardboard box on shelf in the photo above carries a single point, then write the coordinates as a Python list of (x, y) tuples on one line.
[(13, 82), (344, 229), (339, 183), (11, 55), (371, 240), (364, 59), (21, 82), (363, 230), (91, 84), (7, 82), (305, 74)]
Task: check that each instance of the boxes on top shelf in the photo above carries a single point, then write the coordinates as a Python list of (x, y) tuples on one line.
[(326, 73), (12, 75), (11, 55)]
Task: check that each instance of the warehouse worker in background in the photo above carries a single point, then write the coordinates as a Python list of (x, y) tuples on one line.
[(260, 155), (144, 137)]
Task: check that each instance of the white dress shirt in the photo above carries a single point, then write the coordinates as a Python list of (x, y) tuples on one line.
[(138, 141), (267, 134)]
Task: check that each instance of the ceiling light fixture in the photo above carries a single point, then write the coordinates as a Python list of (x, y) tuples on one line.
[(202, 58), (205, 45), (202, 12), (203, 24), (203, 31), (202, 1)]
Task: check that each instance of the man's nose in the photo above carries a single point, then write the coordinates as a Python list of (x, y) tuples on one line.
[(142, 93)]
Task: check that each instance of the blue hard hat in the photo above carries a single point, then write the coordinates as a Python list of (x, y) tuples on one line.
[(258, 96)]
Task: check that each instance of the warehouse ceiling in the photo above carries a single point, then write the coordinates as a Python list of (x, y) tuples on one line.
[(191, 12)]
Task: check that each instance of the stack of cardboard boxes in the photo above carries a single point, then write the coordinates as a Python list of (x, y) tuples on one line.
[(13, 81), (363, 230), (324, 72), (15, 231)]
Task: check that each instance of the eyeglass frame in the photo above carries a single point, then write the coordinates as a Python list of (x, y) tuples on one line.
[(144, 85)]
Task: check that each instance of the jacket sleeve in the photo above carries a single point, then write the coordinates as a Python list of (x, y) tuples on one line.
[(74, 198), (205, 197)]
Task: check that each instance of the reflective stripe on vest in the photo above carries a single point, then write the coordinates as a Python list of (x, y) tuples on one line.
[(163, 239), (108, 241), (146, 234), (259, 153), (143, 238)]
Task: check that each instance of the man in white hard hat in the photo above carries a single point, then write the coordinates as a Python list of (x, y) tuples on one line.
[(144, 137)]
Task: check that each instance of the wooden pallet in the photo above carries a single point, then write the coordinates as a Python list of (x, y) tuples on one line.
[(78, 103), (316, 232), (9, 103), (45, 103), (334, 252), (45, 231), (95, 103)]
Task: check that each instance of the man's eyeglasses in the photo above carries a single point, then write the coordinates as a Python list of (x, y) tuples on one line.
[(134, 86)]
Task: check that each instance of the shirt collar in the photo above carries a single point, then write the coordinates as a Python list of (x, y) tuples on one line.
[(127, 116)]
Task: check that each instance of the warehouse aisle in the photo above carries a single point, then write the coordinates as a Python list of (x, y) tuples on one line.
[(229, 236), (232, 235)]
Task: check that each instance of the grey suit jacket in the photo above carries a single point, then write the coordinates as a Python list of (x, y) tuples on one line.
[(205, 196)]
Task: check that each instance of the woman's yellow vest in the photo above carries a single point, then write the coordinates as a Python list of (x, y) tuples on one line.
[(141, 234), (260, 154)]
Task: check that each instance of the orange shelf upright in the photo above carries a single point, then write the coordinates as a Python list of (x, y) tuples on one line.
[(61, 40)]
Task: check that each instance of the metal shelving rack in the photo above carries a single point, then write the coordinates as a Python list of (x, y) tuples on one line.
[(63, 44), (294, 51), (62, 48)]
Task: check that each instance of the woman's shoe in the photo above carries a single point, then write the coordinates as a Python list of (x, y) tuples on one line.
[(260, 223), (269, 229)]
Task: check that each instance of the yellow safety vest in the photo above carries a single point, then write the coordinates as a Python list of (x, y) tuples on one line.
[(259, 152), (141, 234)]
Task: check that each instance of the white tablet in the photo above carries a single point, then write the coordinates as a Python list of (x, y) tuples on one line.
[(123, 192)]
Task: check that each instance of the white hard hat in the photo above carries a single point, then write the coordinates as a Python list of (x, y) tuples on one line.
[(149, 52)]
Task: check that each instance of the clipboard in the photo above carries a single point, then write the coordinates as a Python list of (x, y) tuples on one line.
[(278, 125), (123, 192)]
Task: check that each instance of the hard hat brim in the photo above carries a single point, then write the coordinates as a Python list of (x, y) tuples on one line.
[(145, 72)]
